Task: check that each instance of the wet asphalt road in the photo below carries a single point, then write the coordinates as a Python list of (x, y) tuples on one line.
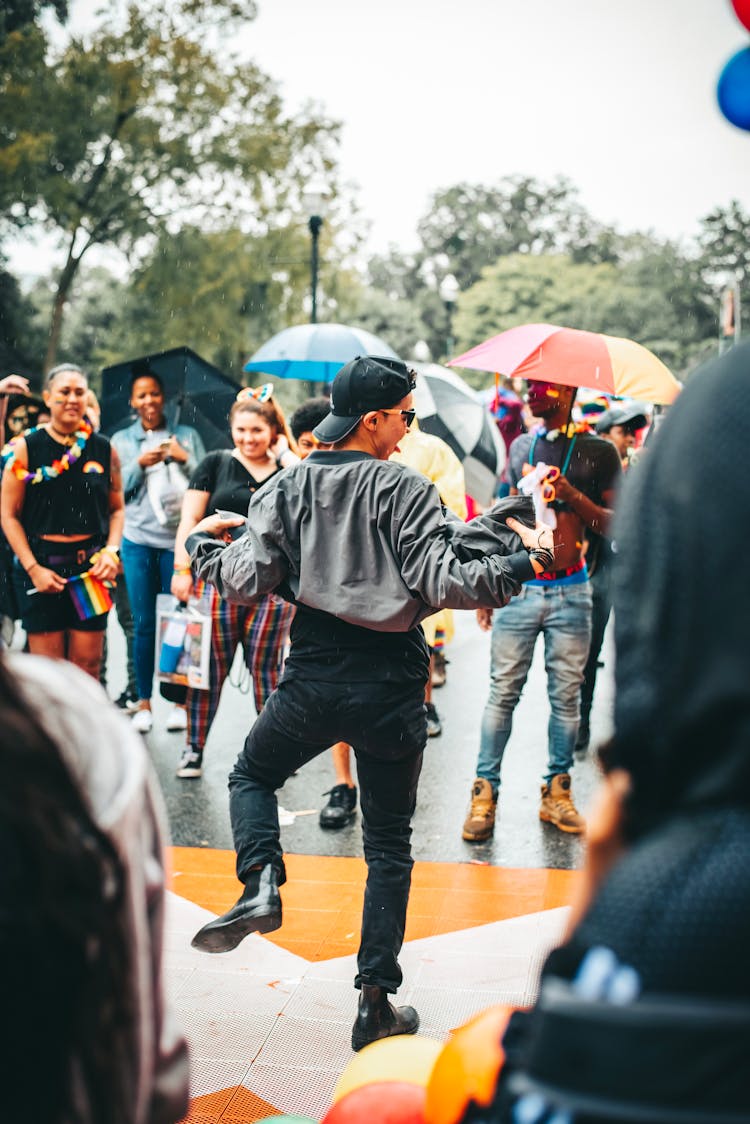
[(198, 809)]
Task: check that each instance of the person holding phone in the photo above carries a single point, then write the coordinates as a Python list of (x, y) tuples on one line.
[(156, 465), (224, 482)]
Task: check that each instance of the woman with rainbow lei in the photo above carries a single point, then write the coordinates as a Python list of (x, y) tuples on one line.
[(62, 513)]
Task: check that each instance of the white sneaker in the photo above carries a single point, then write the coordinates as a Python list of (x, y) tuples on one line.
[(177, 719), (191, 762), (142, 721)]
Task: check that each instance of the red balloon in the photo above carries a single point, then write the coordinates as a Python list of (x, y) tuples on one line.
[(742, 11), (383, 1102)]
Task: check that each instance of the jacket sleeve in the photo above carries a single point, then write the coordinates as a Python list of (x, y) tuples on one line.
[(252, 566), (132, 473), (438, 566)]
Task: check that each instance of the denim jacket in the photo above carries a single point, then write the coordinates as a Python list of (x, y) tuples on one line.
[(129, 443)]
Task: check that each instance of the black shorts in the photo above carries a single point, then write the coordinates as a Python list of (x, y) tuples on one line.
[(55, 612)]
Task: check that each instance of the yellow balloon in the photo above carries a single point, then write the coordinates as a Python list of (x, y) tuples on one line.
[(404, 1057)]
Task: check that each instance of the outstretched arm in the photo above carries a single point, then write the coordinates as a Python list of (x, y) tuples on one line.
[(451, 565), (241, 571)]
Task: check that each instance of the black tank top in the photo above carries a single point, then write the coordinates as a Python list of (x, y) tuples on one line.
[(77, 501)]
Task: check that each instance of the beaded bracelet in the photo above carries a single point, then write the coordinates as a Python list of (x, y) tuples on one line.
[(546, 558)]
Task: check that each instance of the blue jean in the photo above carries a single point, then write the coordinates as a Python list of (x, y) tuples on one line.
[(562, 614), (148, 572)]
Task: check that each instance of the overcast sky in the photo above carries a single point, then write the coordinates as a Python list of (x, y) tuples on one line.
[(619, 97)]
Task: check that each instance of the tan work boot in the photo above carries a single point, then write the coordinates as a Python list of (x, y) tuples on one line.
[(480, 822), (557, 805)]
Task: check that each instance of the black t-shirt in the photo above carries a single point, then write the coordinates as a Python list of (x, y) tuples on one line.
[(334, 651), (77, 501), (594, 467), (227, 480)]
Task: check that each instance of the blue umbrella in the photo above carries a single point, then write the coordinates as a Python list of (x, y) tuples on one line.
[(315, 352)]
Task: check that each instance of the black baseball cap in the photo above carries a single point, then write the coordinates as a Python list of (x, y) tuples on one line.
[(369, 382), (631, 416)]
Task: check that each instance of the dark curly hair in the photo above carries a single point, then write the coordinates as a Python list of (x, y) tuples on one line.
[(308, 415)]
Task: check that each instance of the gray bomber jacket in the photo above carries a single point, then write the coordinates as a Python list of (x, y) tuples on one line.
[(367, 541)]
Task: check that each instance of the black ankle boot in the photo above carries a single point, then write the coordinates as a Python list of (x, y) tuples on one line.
[(258, 910), (377, 1018), (341, 807)]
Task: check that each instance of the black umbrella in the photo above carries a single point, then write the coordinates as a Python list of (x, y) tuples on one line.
[(196, 394), (448, 408)]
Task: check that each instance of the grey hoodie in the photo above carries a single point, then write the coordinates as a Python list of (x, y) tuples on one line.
[(369, 542)]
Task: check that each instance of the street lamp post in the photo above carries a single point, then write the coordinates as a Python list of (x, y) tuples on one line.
[(449, 290), (315, 199)]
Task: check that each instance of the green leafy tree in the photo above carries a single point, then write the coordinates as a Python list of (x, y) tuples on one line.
[(396, 320), (651, 299), (470, 226), (222, 293), (20, 335), (143, 126), (16, 14), (724, 242)]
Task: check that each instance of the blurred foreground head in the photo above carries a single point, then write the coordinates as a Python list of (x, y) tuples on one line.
[(682, 710)]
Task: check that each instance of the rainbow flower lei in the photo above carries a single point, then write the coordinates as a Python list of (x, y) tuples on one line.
[(47, 471)]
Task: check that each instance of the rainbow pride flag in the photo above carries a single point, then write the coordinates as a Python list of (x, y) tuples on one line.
[(90, 596)]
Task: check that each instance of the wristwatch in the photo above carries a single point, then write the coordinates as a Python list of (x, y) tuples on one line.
[(111, 548)]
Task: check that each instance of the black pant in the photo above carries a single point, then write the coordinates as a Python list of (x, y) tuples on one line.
[(385, 725), (601, 607)]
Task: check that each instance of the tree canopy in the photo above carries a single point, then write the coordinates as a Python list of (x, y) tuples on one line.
[(141, 127), (147, 137)]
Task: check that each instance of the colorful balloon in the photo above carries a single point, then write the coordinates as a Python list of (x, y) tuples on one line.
[(742, 11), (733, 91), (467, 1067), (387, 1102), (405, 1057)]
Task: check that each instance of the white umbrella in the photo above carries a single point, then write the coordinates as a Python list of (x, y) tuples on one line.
[(447, 407)]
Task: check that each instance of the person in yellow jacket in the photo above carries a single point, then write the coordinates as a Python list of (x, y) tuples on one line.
[(436, 460)]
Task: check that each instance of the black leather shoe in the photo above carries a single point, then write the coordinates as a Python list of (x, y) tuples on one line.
[(341, 807), (377, 1018), (257, 911)]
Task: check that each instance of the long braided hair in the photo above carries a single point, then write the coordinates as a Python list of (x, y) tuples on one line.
[(63, 923)]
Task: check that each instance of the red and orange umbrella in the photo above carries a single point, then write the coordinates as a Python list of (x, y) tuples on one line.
[(572, 357)]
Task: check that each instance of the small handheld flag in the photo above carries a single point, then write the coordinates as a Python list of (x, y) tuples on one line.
[(90, 596)]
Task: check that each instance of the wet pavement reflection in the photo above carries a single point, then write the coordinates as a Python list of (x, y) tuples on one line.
[(198, 809)]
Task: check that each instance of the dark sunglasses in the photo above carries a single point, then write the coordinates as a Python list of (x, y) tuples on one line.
[(407, 415)]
